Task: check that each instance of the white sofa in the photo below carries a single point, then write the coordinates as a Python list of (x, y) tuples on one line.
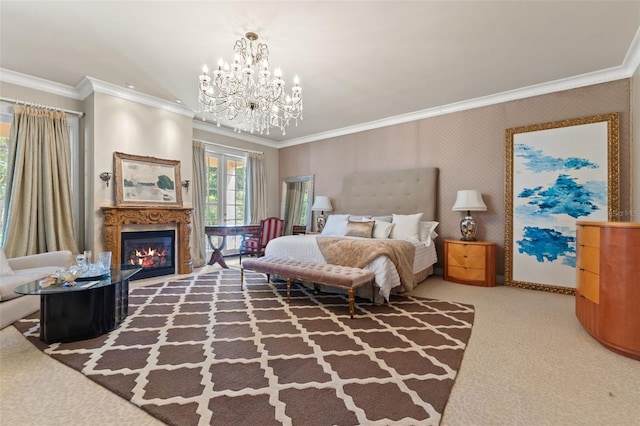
[(21, 270)]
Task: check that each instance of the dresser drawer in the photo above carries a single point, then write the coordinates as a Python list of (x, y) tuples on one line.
[(588, 259), (588, 285), (588, 235)]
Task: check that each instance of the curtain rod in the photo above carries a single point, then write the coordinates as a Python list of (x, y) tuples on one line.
[(32, 104), (229, 147)]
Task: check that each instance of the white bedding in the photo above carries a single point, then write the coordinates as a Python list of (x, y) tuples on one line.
[(305, 247)]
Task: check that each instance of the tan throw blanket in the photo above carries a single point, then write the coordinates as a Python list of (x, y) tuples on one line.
[(359, 253)]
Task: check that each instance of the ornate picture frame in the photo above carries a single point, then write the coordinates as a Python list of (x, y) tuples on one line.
[(147, 181), (556, 174)]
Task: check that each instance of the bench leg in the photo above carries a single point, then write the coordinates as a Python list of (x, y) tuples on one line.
[(351, 302), (241, 277), (288, 289), (268, 278)]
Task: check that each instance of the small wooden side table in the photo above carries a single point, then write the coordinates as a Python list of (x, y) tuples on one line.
[(470, 262)]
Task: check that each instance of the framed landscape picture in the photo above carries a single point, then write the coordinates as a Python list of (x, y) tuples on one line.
[(147, 181), (557, 174)]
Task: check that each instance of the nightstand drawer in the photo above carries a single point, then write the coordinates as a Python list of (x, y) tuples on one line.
[(467, 261), (469, 274)]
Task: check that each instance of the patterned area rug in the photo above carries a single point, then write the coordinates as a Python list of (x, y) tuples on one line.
[(200, 351)]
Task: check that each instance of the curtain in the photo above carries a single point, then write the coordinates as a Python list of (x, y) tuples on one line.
[(257, 187), (294, 206), (199, 203), (38, 203)]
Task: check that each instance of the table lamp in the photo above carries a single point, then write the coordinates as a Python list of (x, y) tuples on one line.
[(469, 200), (321, 203)]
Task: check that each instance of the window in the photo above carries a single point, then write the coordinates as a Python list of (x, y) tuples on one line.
[(73, 125), (225, 204)]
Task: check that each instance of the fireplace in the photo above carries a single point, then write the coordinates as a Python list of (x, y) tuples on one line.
[(153, 251)]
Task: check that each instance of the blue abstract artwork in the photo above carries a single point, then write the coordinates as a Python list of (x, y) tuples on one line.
[(559, 177)]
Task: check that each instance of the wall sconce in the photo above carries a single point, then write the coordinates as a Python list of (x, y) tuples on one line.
[(106, 177), (185, 184)]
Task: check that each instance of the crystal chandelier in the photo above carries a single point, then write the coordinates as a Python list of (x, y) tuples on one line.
[(247, 94)]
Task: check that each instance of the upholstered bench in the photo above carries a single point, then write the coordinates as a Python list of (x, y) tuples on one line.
[(337, 276)]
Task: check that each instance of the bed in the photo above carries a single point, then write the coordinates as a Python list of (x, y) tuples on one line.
[(391, 202)]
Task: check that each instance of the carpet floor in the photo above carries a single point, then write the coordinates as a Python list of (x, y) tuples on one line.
[(201, 351)]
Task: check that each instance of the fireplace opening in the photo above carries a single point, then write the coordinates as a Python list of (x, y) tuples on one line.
[(153, 251)]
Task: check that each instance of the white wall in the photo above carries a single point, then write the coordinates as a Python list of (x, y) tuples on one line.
[(119, 125)]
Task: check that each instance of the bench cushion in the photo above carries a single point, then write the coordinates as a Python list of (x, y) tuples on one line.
[(332, 275)]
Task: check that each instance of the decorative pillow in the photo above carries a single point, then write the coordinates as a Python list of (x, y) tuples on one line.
[(381, 230), (382, 218), (406, 226), (357, 218), (428, 231), (359, 229), (5, 268), (336, 225)]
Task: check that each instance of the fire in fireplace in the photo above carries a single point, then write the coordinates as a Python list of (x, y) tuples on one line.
[(153, 251)]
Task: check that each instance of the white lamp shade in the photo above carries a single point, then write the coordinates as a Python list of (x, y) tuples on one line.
[(322, 203), (469, 200)]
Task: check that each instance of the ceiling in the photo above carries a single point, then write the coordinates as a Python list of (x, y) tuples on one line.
[(362, 64)]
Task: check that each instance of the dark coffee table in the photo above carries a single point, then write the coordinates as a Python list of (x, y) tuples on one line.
[(86, 310)]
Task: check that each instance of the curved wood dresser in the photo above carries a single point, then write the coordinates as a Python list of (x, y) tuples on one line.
[(608, 284)]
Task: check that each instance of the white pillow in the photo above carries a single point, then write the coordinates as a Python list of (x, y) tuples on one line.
[(428, 231), (406, 226), (5, 268), (381, 230), (356, 218), (336, 225), (382, 218)]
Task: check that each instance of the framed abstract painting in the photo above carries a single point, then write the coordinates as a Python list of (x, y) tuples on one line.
[(556, 174)]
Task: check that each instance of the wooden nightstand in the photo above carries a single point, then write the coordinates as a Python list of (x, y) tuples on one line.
[(470, 262)]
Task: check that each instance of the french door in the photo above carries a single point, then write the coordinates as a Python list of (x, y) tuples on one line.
[(226, 193)]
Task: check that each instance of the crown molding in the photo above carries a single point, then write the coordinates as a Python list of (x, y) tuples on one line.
[(629, 66), (225, 131), (589, 79), (100, 86), (89, 85), (25, 80), (631, 60)]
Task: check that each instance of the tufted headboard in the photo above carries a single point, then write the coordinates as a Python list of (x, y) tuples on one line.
[(391, 191)]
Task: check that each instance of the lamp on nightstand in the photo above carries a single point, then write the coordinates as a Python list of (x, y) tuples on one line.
[(469, 200), (321, 204)]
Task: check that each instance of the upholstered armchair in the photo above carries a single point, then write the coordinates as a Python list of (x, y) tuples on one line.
[(21, 270), (254, 245)]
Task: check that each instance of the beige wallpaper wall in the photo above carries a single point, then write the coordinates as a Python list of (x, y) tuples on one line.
[(468, 147)]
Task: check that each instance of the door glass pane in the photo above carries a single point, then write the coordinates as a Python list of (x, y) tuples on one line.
[(234, 200), (212, 202)]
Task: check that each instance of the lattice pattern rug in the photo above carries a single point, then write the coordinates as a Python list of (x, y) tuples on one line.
[(201, 351)]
